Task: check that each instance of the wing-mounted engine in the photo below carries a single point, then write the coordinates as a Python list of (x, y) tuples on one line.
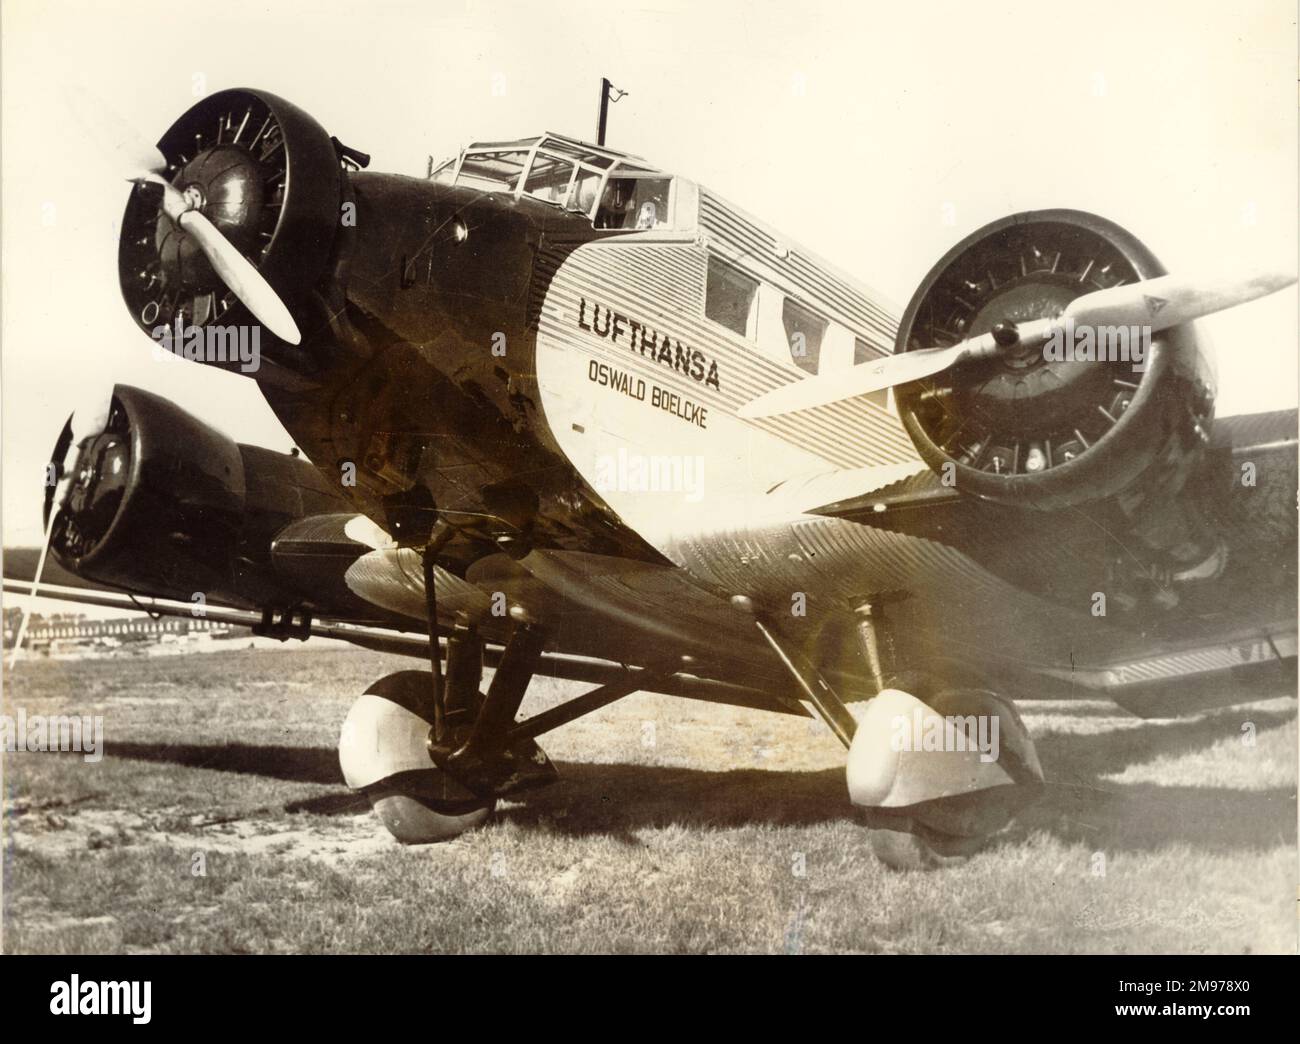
[(269, 178), (158, 502), (1093, 414)]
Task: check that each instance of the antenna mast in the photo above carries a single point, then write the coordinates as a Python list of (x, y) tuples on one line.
[(606, 89)]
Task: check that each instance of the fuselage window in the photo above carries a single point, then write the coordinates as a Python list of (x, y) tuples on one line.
[(730, 298), (863, 352), (634, 203), (804, 331)]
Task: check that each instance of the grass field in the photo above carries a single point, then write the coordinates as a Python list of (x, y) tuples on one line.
[(678, 826)]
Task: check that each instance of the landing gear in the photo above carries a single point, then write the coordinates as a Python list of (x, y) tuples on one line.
[(485, 753), (932, 781), (433, 753)]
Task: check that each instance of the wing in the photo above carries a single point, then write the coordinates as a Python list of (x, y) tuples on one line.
[(1230, 637), (317, 549), (553, 665)]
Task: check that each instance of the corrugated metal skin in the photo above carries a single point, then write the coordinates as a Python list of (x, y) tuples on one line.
[(394, 580), (663, 284), (818, 286), (859, 560), (545, 265), (843, 561), (1180, 665), (1256, 429), (959, 610)]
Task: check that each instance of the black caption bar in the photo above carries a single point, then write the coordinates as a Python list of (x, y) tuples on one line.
[(146, 993)]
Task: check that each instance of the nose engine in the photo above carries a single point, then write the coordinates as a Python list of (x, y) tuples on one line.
[(269, 180)]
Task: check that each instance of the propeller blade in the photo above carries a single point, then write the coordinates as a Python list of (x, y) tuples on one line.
[(1171, 300), (1159, 303), (238, 273), (90, 414), (117, 139), (126, 149), (865, 378), (235, 270)]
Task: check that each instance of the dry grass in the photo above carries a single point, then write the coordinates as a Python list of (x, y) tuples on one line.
[(678, 826)]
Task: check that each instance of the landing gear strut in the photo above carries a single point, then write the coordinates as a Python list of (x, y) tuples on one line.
[(932, 782), (487, 757)]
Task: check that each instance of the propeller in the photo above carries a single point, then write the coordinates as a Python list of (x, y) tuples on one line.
[(129, 151), (235, 270), (89, 417), (1159, 303)]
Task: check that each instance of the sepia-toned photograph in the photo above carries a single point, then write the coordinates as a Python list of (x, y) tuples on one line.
[(676, 478)]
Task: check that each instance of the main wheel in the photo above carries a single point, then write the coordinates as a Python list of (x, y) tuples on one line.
[(935, 782), (904, 843), (383, 752)]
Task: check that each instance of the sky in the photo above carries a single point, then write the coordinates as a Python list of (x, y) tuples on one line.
[(875, 134)]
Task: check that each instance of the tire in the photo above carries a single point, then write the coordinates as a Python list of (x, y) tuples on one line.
[(413, 819)]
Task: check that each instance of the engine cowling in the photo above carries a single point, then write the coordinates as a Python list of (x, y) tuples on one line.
[(1032, 429), (269, 177), (160, 503)]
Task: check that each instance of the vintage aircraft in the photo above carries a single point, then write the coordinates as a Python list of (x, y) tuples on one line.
[(567, 414)]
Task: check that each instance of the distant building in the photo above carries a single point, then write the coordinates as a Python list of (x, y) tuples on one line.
[(65, 633)]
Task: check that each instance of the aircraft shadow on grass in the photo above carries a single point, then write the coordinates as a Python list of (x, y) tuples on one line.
[(1077, 805)]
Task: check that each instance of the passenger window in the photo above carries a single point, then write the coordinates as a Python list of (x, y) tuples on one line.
[(730, 298), (804, 331), (863, 352)]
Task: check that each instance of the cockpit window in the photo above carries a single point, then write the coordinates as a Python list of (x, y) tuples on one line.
[(612, 189), (499, 168), (634, 203), (548, 179), (584, 191)]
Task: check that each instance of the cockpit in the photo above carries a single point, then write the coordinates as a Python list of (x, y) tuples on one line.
[(613, 189)]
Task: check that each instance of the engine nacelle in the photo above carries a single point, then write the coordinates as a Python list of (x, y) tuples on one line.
[(1050, 428), (269, 178), (160, 503)]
